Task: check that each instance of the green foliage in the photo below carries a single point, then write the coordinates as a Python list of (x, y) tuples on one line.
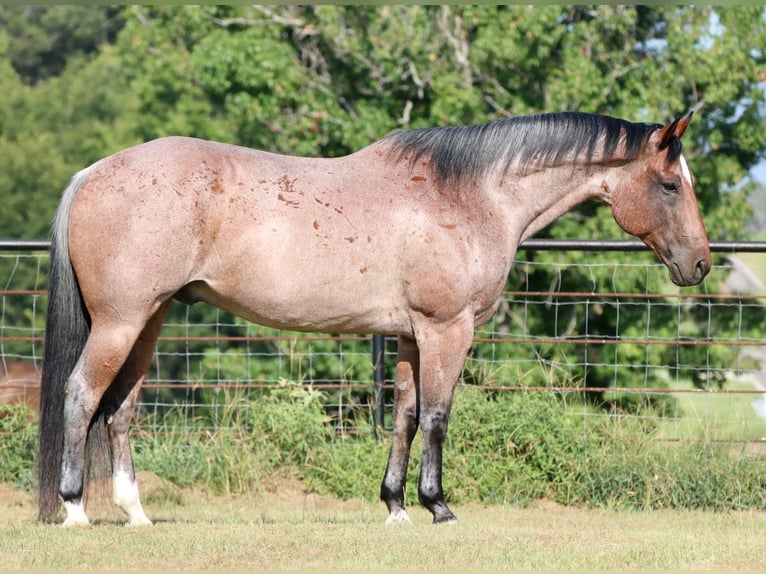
[(45, 38), (81, 82), (520, 447), (702, 476), (501, 448), (288, 423), (251, 441), (18, 446)]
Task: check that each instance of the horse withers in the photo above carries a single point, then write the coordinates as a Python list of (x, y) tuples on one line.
[(412, 237)]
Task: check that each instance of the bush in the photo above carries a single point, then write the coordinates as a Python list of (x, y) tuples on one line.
[(252, 440), (501, 448), (520, 447), (18, 446)]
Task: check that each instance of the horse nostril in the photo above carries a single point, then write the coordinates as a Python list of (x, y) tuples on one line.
[(703, 267)]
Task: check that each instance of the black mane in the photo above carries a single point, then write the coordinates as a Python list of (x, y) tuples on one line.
[(539, 140)]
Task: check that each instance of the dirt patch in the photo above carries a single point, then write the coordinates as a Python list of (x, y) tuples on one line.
[(291, 492), (547, 505), (153, 487), (282, 496), (13, 497), (16, 504)]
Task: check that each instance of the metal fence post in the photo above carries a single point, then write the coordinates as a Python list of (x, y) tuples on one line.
[(379, 379)]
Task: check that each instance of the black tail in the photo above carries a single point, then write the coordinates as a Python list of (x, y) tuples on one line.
[(66, 331)]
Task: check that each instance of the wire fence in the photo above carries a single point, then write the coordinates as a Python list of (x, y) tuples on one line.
[(597, 323)]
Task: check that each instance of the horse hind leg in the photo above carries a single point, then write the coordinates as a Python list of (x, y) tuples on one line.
[(119, 405), (107, 348), (405, 420)]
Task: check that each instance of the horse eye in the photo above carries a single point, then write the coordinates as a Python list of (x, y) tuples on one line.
[(670, 187)]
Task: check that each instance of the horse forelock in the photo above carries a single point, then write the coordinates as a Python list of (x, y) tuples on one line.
[(524, 142), (675, 149)]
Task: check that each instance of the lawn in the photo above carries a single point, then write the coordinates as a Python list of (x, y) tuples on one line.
[(715, 416), (292, 530)]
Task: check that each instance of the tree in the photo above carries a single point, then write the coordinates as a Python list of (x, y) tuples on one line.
[(45, 38), (327, 80)]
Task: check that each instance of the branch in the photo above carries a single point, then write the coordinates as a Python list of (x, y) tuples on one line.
[(405, 119), (458, 42), (271, 17)]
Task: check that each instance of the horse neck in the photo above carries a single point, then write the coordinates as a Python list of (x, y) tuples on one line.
[(535, 200)]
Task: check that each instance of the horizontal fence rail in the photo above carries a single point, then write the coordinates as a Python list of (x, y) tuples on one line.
[(595, 322)]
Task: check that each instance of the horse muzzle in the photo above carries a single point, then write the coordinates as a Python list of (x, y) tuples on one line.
[(687, 266), (692, 276)]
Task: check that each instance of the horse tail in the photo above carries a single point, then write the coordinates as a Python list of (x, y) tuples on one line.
[(66, 331)]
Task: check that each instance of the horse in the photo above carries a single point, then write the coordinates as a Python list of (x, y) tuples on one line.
[(412, 236), (20, 383)]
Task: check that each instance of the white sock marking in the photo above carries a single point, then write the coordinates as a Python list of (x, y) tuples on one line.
[(126, 497), (399, 517), (75, 515)]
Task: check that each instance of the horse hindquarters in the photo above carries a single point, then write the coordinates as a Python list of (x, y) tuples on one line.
[(82, 357)]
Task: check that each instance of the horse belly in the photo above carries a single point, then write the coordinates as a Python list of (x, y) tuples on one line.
[(305, 287)]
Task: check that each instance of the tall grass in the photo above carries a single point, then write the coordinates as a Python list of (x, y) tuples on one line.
[(253, 440), (501, 448)]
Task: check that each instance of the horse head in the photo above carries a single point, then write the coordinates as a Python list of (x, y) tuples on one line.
[(658, 205)]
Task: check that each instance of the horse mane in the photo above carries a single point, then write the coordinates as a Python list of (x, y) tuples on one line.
[(540, 140)]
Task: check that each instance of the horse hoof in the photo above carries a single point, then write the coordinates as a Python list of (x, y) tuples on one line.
[(138, 522), (399, 517), (450, 519), (75, 515), (76, 523)]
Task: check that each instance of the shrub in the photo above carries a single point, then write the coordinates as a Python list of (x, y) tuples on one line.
[(18, 446), (251, 440), (501, 448)]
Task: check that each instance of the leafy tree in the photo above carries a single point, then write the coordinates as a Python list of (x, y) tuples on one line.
[(44, 38), (327, 80)]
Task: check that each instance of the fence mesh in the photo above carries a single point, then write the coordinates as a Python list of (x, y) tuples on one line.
[(608, 333)]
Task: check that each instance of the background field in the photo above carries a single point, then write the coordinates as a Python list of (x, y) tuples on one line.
[(289, 529)]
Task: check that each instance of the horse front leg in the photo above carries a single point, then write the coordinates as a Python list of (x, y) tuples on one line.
[(443, 349), (405, 420)]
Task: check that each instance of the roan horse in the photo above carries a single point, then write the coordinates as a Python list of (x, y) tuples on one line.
[(412, 236)]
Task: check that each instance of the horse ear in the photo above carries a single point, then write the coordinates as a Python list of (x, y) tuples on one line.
[(675, 129)]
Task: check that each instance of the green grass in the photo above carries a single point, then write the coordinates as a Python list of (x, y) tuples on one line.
[(291, 530), (504, 448), (756, 262), (715, 417)]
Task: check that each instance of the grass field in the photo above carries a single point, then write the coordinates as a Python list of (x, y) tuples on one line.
[(756, 262), (715, 417), (291, 530)]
